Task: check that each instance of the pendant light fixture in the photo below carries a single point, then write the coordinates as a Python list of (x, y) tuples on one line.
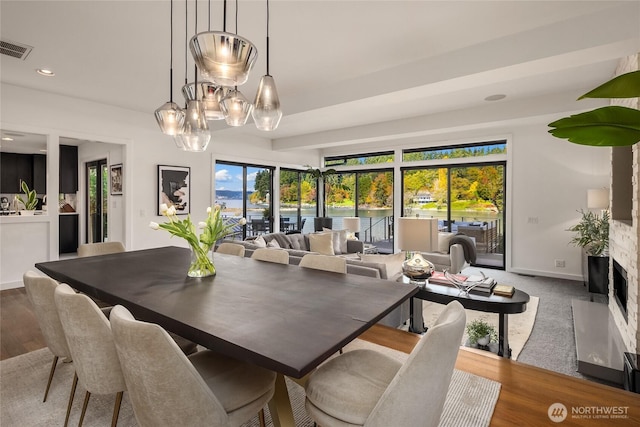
[(266, 107), (195, 135), (170, 116), (223, 58)]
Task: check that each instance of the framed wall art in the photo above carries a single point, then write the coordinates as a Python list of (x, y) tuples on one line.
[(174, 188), (115, 179)]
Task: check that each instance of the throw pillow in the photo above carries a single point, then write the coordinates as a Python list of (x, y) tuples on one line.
[(259, 242), (273, 244), (321, 243), (393, 263), (444, 241), (339, 240)]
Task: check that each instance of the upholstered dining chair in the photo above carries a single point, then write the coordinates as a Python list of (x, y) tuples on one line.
[(91, 344), (367, 388), (101, 248), (167, 388), (324, 262), (279, 256), (230, 249), (40, 291)]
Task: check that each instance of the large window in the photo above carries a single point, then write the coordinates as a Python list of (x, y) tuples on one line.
[(467, 199), (298, 201), (373, 204), (460, 151), (359, 159), (245, 191)]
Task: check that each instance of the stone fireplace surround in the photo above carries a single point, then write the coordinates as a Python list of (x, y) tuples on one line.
[(624, 233)]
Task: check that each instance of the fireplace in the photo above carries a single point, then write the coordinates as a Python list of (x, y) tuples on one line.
[(620, 290)]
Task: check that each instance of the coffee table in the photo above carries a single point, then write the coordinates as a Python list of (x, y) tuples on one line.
[(442, 294)]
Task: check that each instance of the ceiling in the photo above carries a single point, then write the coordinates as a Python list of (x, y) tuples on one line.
[(341, 67)]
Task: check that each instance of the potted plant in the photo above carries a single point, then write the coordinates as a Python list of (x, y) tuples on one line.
[(321, 175), (481, 333), (592, 235), (30, 201)]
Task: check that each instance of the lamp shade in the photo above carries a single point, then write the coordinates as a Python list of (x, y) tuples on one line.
[(351, 224), (170, 118), (598, 198), (209, 94), (417, 234), (223, 58), (266, 107), (195, 135), (236, 108)]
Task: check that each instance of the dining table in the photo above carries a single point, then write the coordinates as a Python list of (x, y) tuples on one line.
[(284, 318)]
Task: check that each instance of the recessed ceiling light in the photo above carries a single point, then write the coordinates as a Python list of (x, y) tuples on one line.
[(496, 97), (6, 138), (45, 72)]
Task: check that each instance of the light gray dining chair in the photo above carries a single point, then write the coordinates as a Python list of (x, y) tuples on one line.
[(101, 248), (230, 249), (91, 344), (279, 256), (324, 262), (167, 388), (367, 388), (40, 292)]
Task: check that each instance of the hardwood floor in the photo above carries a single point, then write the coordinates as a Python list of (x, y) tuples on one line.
[(527, 392)]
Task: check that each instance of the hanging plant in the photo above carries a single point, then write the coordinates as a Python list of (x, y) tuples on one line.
[(611, 126)]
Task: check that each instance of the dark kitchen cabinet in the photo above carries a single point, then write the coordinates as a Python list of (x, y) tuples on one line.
[(68, 242), (40, 173), (68, 169), (15, 167)]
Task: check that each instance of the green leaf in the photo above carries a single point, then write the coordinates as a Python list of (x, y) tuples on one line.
[(611, 126), (623, 86)]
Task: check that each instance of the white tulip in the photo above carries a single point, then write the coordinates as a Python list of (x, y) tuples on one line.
[(217, 207), (209, 210), (163, 208), (171, 211), (242, 221), (154, 225), (202, 224)]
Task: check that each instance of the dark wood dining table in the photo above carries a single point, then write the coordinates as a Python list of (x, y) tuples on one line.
[(282, 317)]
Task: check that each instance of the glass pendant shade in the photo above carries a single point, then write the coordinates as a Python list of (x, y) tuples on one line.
[(170, 118), (236, 108), (266, 109), (209, 94), (223, 58), (212, 95), (195, 136)]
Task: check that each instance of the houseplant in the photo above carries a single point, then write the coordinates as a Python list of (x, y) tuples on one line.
[(480, 333), (610, 126), (592, 235), (214, 229), (30, 201)]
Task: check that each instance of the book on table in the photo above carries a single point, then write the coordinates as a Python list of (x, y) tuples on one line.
[(504, 290), (483, 288)]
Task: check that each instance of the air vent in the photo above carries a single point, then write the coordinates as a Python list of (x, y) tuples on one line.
[(16, 50)]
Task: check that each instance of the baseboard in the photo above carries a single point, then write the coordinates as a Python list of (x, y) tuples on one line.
[(10, 285), (553, 274)]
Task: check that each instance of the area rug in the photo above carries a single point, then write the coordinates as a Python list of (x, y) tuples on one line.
[(470, 400), (520, 325)]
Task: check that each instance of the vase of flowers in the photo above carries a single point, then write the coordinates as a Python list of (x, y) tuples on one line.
[(214, 228)]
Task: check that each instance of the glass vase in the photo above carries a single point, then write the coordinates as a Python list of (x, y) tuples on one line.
[(201, 263)]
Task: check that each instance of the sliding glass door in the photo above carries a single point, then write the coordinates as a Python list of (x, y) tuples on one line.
[(298, 202), (466, 199), (245, 191)]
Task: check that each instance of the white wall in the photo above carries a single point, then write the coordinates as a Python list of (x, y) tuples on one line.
[(144, 147)]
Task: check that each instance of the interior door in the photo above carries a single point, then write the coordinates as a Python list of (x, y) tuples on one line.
[(97, 203)]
